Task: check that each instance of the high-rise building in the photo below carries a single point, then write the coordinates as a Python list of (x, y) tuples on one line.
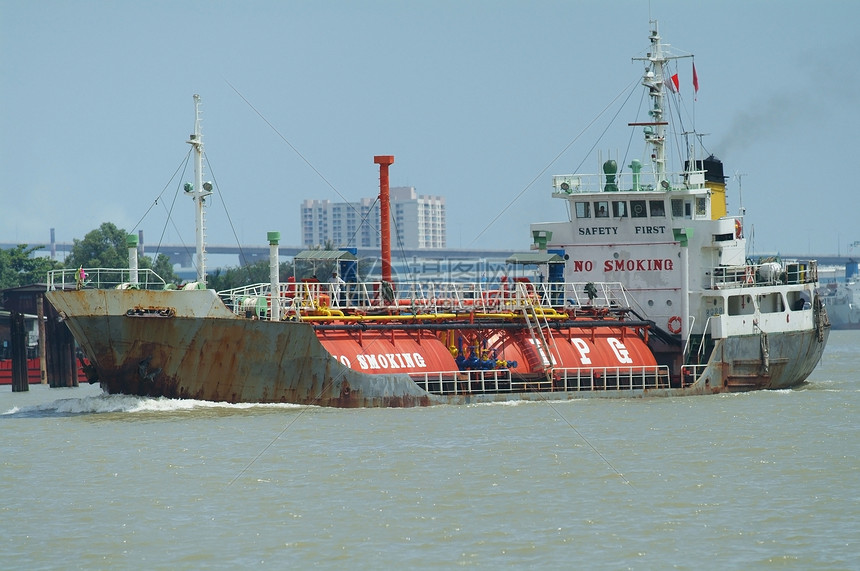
[(341, 223), (418, 221)]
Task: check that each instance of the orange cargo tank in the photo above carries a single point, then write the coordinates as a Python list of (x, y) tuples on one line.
[(599, 348), (388, 351)]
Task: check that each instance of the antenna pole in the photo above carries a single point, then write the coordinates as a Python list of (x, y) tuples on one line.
[(740, 175), (656, 79), (199, 192)]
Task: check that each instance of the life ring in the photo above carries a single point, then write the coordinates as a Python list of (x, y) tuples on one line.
[(675, 324), (739, 229)]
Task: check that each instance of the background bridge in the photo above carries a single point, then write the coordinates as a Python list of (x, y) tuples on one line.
[(237, 255)]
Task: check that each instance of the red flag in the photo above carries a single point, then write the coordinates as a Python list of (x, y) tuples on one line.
[(674, 85), (695, 78)]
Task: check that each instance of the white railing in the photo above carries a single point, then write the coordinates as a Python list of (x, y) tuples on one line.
[(104, 278), (425, 298), (568, 184), (580, 379), (464, 382), (611, 378), (767, 273)]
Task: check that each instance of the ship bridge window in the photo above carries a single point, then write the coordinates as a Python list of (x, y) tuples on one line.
[(701, 207), (619, 208), (740, 305), (583, 210), (798, 300), (637, 208), (771, 303), (723, 237), (658, 207), (601, 209), (677, 208)]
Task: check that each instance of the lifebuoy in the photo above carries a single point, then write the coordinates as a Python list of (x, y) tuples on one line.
[(739, 229), (674, 324)]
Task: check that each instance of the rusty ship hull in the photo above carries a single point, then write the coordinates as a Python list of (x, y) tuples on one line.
[(738, 363), (645, 290), (188, 344)]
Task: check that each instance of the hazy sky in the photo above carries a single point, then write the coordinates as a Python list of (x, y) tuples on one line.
[(474, 98)]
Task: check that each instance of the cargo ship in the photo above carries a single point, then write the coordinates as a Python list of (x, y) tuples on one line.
[(646, 290)]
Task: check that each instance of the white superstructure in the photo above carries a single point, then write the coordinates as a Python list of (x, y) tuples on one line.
[(668, 238)]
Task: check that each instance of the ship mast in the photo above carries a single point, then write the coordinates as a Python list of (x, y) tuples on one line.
[(199, 191), (655, 79)]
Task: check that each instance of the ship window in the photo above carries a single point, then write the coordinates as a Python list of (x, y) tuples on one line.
[(601, 209), (688, 210), (797, 300), (637, 208), (741, 305), (658, 208), (619, 209), (723, 237), (583, 210), (771, 303), (677, 208), (701, 207)]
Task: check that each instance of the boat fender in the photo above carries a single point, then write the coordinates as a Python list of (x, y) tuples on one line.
[(675, 324)]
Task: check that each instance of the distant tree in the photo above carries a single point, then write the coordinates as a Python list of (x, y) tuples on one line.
[(162, 267), (19, 267), (321, 269), (285, 270), (104, 247), (233, 277)]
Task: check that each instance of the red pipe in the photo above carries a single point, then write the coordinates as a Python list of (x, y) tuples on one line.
[(385, 213)]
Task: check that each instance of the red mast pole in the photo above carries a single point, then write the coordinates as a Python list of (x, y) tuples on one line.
[(385, 213)]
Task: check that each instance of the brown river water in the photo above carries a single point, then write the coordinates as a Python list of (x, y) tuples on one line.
[(764, 480)]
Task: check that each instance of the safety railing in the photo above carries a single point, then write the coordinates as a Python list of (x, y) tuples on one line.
[(567, 184), (581, 379), (611, 378), (464, 382), (104, 278), (765, 273), (298, 298)]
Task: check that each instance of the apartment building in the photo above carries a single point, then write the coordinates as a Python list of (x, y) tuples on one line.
[(417, 221)]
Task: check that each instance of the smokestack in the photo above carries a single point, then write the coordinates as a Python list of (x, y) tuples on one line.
[(384, 161)]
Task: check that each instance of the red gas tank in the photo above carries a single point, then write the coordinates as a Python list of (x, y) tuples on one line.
[(600, 348), (389, 351), (606, 347)]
